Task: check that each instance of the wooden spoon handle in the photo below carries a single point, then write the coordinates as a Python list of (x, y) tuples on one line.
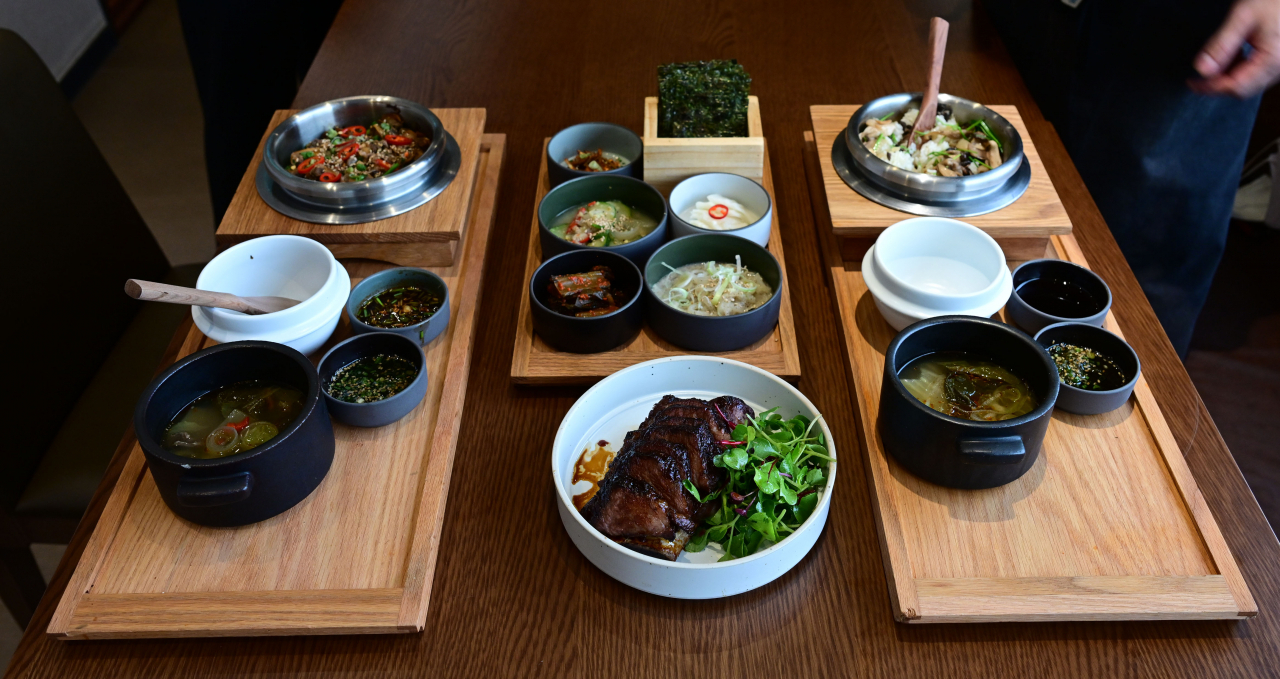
[(160, 292), (938, 28)]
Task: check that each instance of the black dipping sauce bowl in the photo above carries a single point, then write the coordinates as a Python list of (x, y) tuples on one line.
[(606, 137), (712, 333), (388, 410), (1032, 319), (1086, 401), (251, 486), (590, 334), (598, 187), (960, 453)]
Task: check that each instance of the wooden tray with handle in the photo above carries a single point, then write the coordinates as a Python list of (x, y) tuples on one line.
[(533, 362), (357, 556), (1108, 524)]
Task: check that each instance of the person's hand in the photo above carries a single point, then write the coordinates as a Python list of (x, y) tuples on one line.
[(1256, 22)]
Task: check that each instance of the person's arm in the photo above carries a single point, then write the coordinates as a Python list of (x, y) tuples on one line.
[(1256, 22)]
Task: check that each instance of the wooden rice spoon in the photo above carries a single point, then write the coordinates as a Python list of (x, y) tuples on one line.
[(938, 28), (173, 294)]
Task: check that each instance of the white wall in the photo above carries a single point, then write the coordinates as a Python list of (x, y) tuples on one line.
[(59, 30)]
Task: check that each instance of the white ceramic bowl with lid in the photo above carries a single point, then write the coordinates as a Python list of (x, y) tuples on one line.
[(746, 191), (283, 266), (618, 404), (930, 266)]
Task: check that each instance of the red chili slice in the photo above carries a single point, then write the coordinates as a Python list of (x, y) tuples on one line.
[(381, 163), (718, 212), (397, 140), (353, 131), (330, 177), (309, 164), (348, 149)]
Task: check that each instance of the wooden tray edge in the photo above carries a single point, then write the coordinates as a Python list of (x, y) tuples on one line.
[(524, 372), (410, 612)]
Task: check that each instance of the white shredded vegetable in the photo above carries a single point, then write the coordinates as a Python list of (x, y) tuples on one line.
[(713, 288)]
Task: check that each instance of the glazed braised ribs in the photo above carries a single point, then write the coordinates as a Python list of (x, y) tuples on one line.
[(642, 502)]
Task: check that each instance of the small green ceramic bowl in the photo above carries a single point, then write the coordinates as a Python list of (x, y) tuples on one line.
[(400, 277), (582, 190)]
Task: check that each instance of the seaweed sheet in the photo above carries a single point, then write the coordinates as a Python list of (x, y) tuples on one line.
[(703, 99)]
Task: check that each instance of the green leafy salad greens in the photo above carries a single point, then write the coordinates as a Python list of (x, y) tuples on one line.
[(775, 471)]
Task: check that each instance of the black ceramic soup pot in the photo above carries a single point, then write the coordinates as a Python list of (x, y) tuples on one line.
[(960, 453), (600, 187), (712, 333), (1029, 318), (254, 485), (590, 334)]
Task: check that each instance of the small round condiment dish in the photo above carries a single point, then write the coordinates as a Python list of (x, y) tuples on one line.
[(284, 266), (931, 266), (247, 487), (712, 333), (961, 453), (618, 404), (375, 413), (606, 137), (746, 191), (921, 186), (301, 128), (598, 187), (1086, 401), (1031, 319), (589, 334), (422, 332)]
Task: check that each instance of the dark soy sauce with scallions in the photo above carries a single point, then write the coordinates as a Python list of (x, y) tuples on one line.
[(1058, 297)]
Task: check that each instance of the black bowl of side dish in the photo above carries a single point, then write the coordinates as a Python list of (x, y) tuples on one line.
[(639, 196), (247, 487), (373, 291), (712, 333), (964, 453), (1048, 291), (401, 363), (586, 334), (1106, 391), (614, 140)]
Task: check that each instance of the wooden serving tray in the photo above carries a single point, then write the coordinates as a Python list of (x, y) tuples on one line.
[(1107, 525), (533, 362), (355, 557), (1038, 213), (428, 235)]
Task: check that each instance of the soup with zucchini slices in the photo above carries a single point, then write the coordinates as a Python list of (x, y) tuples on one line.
[(603, 223), (967, 387), (232, 420)]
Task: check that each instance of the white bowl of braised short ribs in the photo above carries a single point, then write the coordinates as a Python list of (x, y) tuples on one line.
[(694, 477)]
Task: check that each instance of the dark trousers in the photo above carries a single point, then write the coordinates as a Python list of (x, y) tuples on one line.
[(1161, 162)]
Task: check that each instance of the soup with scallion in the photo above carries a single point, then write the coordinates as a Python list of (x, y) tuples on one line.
[(967, 387), (232, 420)]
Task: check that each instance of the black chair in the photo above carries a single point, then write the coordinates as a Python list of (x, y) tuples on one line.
[(76, 350)]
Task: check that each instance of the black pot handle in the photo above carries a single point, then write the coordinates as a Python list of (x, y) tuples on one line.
[(999, 450), (214, 491)]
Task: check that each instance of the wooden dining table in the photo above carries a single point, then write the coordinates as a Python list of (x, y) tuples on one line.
[(511, 594)]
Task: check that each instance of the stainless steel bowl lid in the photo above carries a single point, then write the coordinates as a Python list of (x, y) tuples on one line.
[(912, 186), (299, 129)]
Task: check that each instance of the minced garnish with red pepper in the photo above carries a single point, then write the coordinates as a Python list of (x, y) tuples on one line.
[(356, 153)]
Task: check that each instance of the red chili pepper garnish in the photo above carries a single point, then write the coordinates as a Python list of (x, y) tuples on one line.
[(329, 177), (381, 163), (397, 140), (353, 131), (309, 164), (348, 149), (718, 211), (239, 426)]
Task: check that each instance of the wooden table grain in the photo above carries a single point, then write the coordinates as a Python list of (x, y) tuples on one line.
[(512, 596)]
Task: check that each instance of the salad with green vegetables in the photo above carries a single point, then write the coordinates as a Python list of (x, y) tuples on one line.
[(776, 469)]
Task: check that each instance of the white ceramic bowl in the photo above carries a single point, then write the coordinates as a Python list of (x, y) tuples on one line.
[(283, 266), (930, 266), (746, 191), (618, 404)]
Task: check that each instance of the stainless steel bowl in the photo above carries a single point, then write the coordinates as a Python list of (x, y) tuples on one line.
[(920, 186), (302, 127)]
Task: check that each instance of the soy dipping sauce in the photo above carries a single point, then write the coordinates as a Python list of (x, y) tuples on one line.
[(1058, 297)]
